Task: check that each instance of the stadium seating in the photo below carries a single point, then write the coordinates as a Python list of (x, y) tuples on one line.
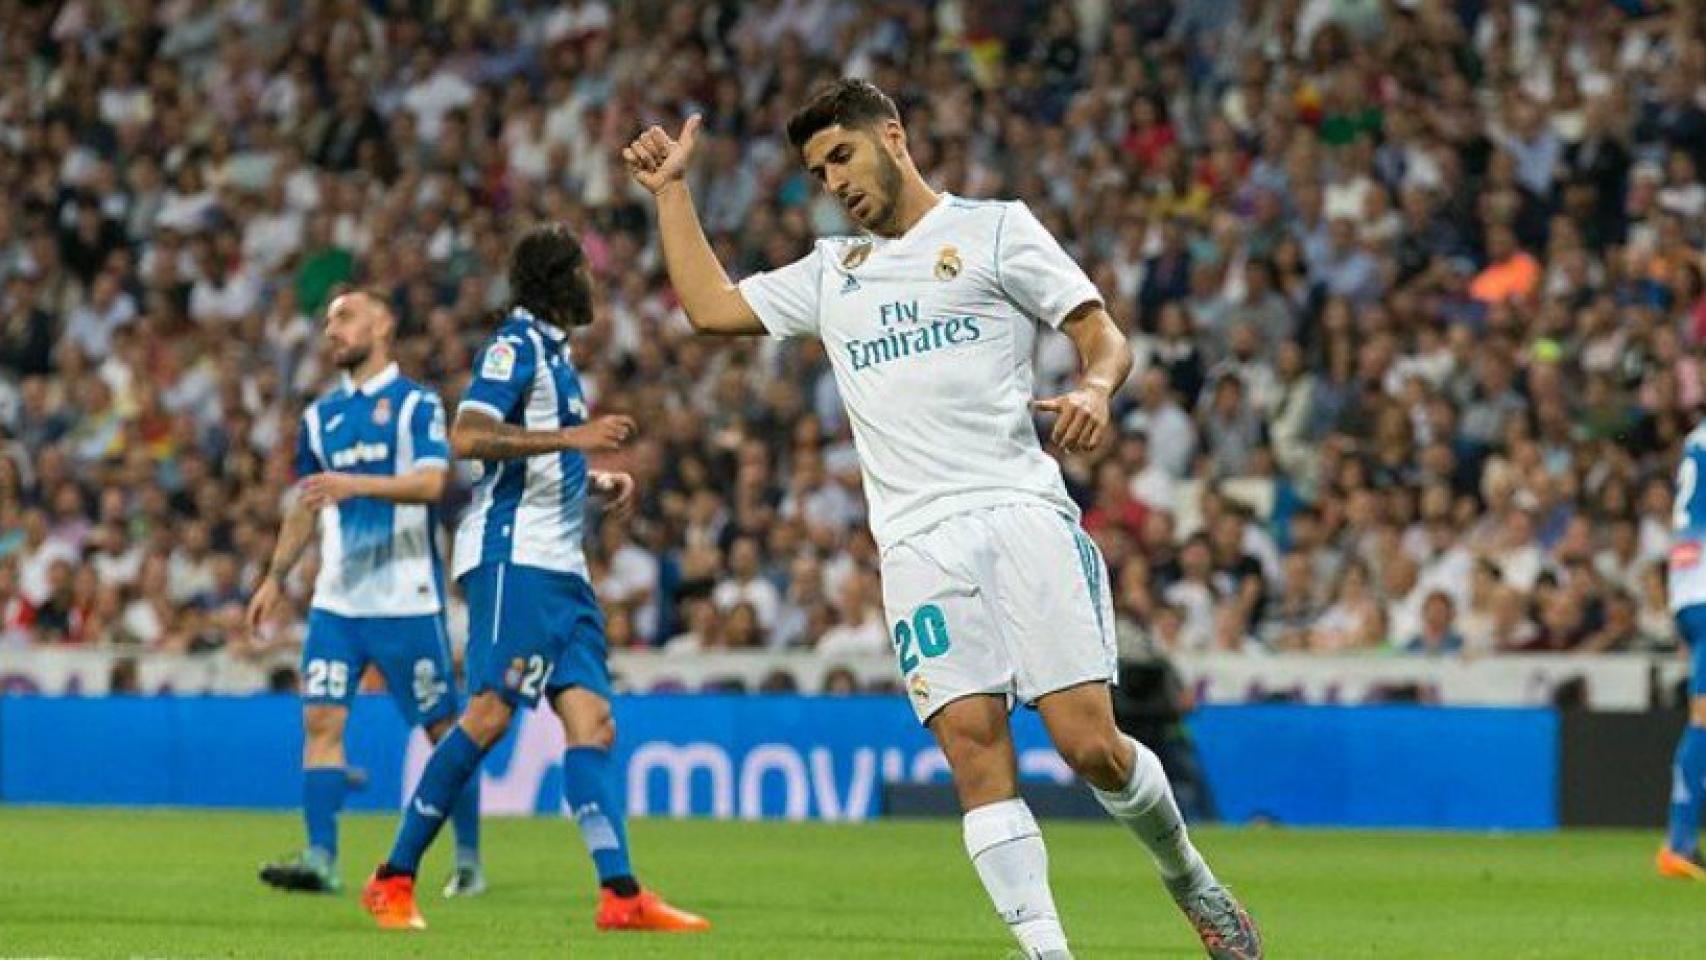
[(1414, 288)]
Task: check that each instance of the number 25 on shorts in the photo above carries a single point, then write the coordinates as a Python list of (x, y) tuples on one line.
[(926, 635)]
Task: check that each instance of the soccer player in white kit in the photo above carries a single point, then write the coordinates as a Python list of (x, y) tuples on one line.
[(993, 593)]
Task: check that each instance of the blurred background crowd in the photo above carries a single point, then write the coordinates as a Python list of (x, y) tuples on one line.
[(1414, 288)]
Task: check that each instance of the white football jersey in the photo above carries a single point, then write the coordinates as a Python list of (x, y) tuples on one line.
[(931, 336)]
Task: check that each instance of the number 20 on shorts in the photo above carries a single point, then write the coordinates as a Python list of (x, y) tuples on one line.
[(925, 635)]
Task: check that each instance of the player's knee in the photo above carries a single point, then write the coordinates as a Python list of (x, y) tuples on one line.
[(961, 738), (607, 731), (486, 719), (1102, 759), (323, 726), (590, 724)]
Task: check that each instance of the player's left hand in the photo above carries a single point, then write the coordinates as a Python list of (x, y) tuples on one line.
[(324, 489), (1081, 419), (619, 489)]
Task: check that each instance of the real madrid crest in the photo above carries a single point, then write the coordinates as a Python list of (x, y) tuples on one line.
[(919, 687), (855, 255), (382, 411), (948, 263)]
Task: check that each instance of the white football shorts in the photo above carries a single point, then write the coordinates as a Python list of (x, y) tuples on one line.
[(1010, 600)]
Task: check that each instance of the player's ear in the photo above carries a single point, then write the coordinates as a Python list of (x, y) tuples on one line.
[(893, 136)]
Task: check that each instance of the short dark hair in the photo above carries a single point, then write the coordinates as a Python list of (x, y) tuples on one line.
[(847, 103), (545, 276)]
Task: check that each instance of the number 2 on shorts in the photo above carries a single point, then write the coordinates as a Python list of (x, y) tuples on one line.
[(928, 629)]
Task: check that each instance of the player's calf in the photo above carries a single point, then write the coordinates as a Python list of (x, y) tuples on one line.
[(1002, 839), (974, 737), (324, 782), (467, 876), (589, 731), (455, 759)]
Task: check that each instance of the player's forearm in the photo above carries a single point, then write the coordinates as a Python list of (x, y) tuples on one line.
[(478, 437), (711, 302), (293, 536), (1107, 362), (417, 486)]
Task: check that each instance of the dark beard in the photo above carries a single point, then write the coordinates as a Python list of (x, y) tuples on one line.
[(888, 180), (355, 358)]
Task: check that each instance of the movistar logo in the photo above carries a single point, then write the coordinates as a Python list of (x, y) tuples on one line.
[(906, 334)]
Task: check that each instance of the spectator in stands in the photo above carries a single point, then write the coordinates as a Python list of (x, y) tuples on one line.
[(839, 681), (745, 585), (1438, 634), (859, 627), (805, 599), (17, 615)]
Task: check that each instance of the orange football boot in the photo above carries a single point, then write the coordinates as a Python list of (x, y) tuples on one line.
[(645, 911), (1677, 866), (392, 903)]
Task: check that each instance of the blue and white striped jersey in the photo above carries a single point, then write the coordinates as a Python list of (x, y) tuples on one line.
[(377, 558), (529, 511), (1688, 525)]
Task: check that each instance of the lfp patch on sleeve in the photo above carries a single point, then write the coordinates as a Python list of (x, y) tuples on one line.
[(499, 363)]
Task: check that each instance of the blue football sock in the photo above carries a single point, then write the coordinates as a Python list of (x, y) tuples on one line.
[(465, 820), (322, 798), (586, 785), (1689, 773), (456, 758)]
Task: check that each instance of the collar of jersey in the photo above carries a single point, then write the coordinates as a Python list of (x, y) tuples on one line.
[(889, 243), (373, 384), (551, 330)]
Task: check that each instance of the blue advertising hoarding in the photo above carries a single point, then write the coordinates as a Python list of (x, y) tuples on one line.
[(786, 757)]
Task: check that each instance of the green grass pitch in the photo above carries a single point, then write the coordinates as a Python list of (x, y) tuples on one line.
[(111, 883)]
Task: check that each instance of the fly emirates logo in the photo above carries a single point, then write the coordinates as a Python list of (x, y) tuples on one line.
[(905, 334)]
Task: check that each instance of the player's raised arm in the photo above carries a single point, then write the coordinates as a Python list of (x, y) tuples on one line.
[(658, 162)]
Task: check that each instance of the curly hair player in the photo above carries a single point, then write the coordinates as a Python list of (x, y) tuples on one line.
[(535, 629)]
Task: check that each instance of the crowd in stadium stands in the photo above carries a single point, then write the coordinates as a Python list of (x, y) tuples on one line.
[(1415, 290)]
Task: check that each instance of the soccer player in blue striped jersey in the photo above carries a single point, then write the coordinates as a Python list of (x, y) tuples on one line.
[(1680, 855), (535, 629), (371, 462)]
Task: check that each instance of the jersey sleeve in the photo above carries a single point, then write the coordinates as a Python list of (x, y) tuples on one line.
[(307, 460), (1034, 272), (427, 436), (502, 374), (786, 299)]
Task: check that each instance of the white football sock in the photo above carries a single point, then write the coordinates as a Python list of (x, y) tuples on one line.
[(1006, 848), (1147, 809)]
